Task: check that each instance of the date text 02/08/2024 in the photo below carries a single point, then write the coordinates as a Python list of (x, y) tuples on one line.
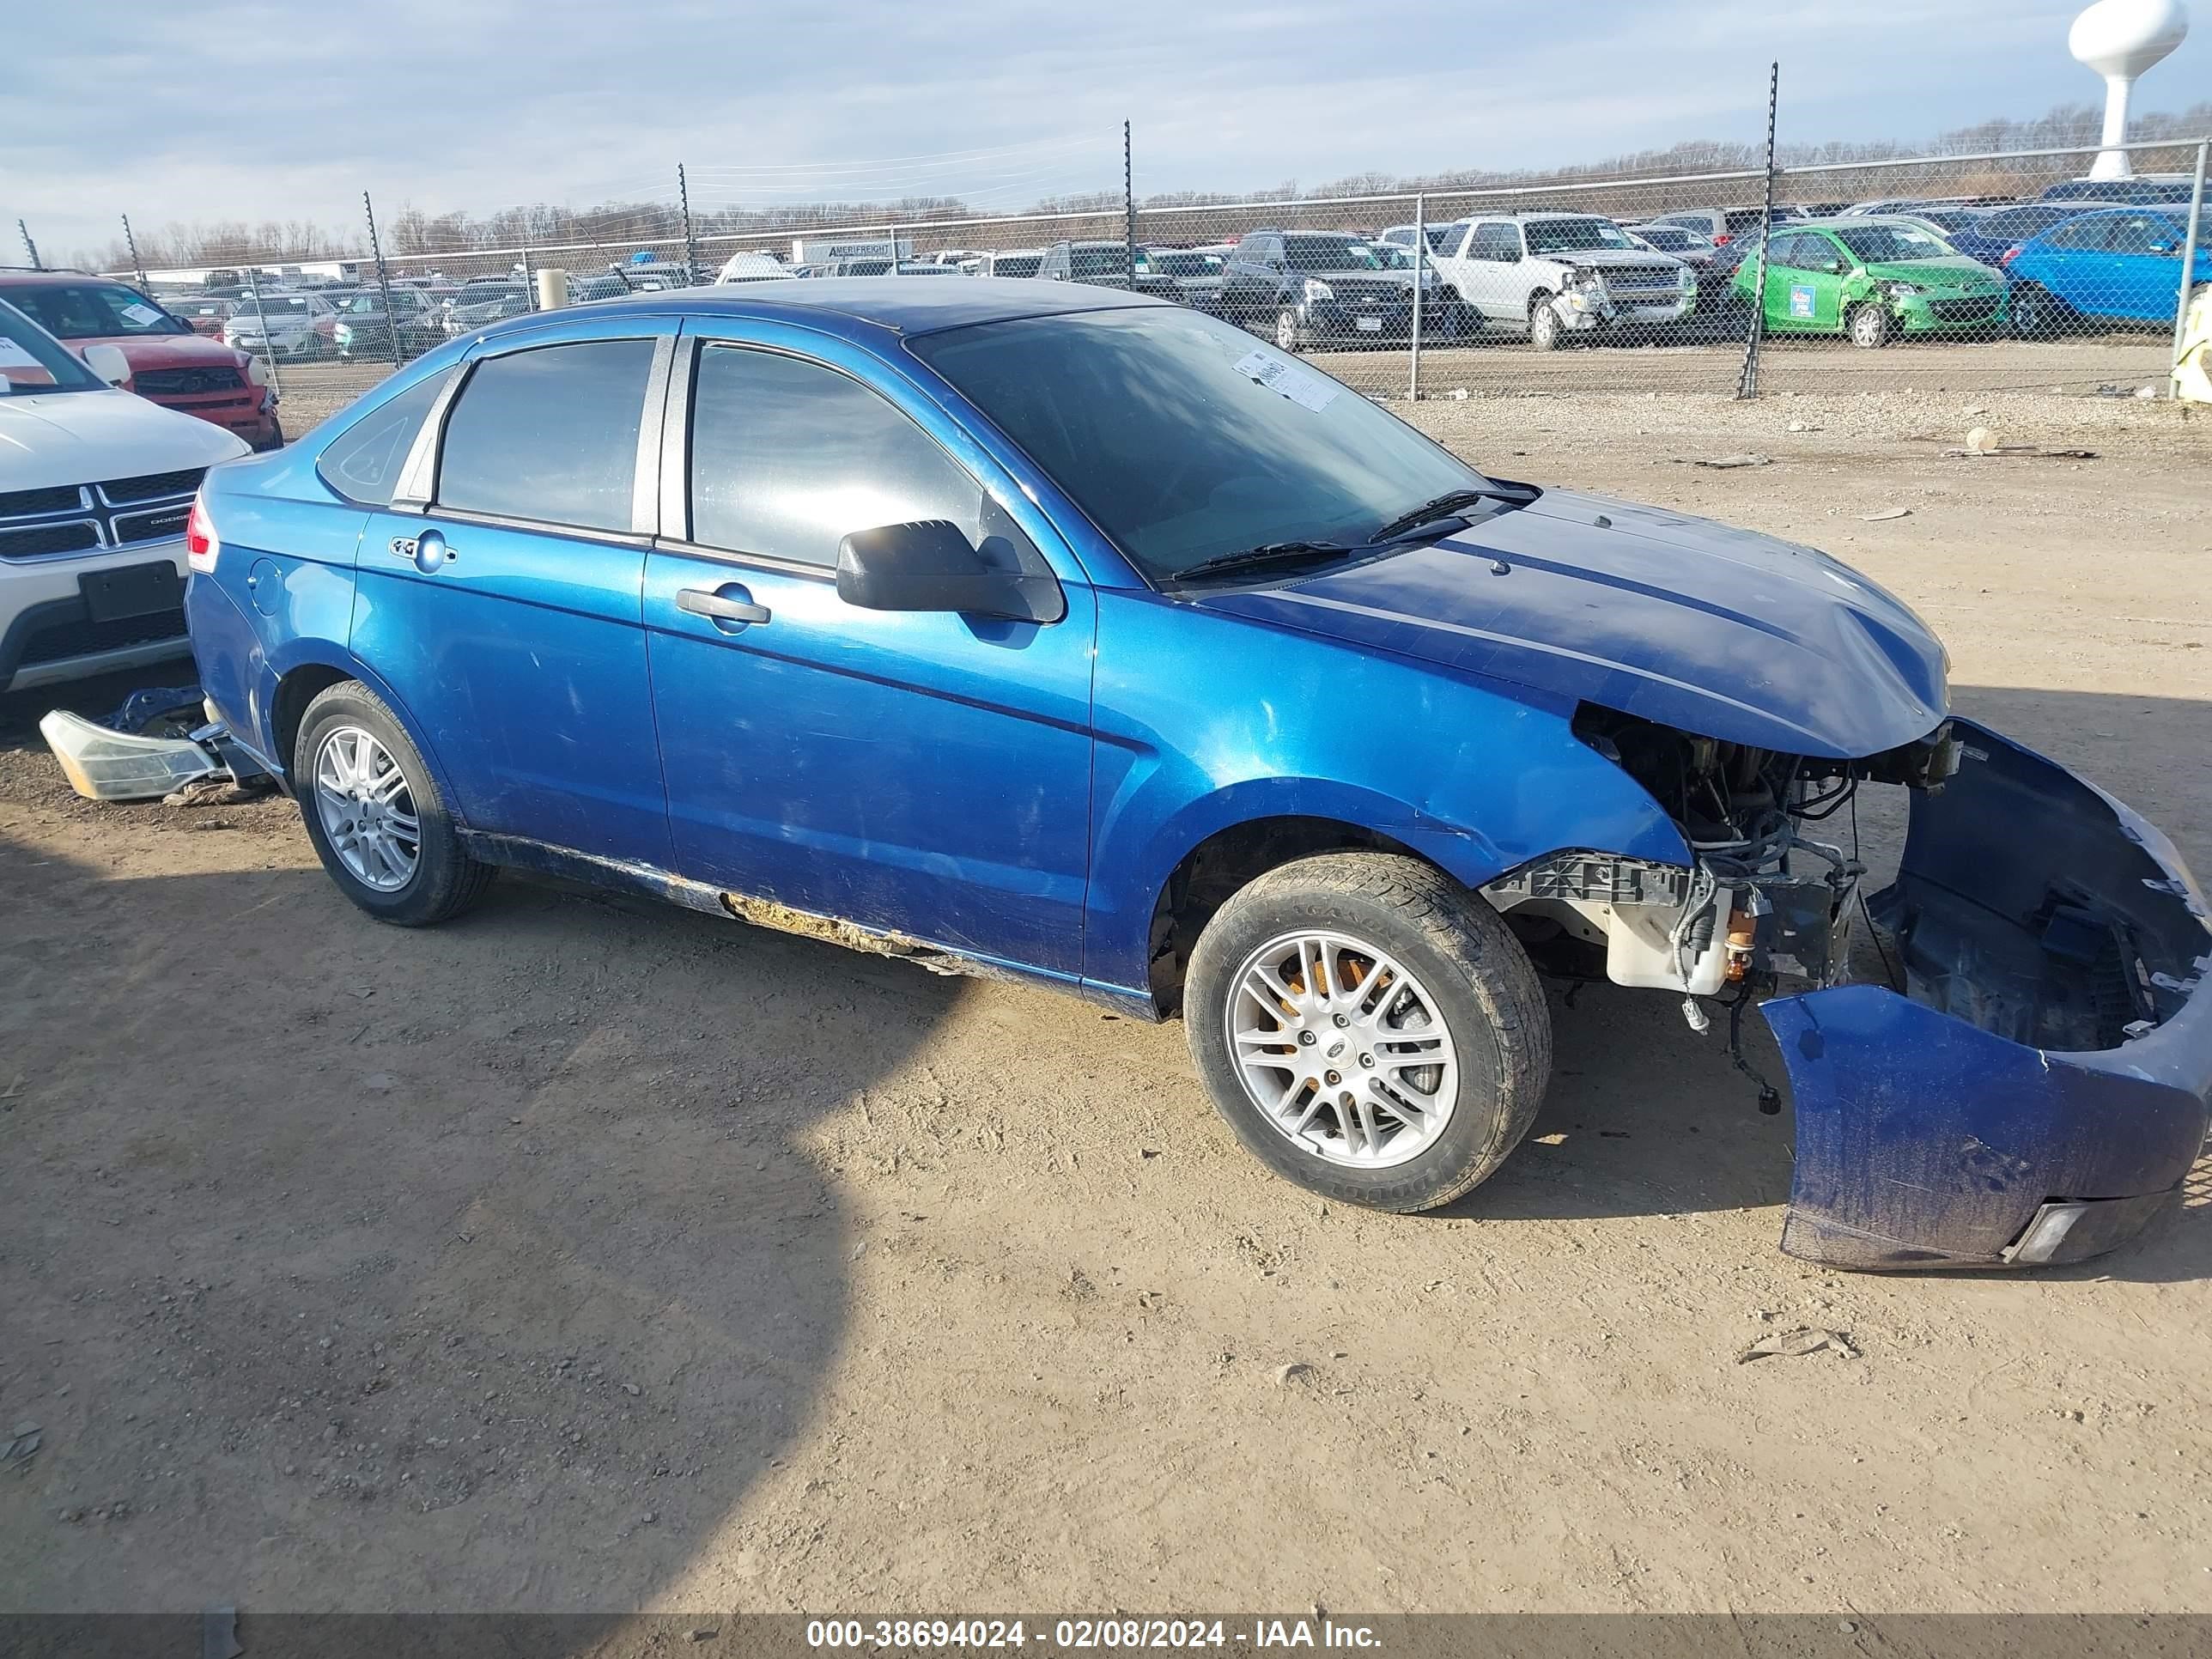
[(895, 1635)]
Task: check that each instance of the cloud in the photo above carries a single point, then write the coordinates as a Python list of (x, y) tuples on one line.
[(245, 110)]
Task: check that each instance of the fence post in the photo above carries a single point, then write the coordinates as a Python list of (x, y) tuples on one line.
[(1128, 212), (691, 243), (29, 247), (383, 279), (1420, 269), (895, 259), (529, 277), (269, 340), (1746, 385), (137, 264), (2187, 268)]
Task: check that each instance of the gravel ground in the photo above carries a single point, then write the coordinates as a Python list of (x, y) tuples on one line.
[(579, 1255)]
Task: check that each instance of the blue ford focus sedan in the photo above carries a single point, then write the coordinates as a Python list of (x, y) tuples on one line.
[(1046, 631)]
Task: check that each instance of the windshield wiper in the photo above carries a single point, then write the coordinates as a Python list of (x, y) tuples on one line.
[(1446, 506), (1269, 553)]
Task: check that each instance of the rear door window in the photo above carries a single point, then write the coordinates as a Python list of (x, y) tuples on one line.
[(550, 435), (363, 463)]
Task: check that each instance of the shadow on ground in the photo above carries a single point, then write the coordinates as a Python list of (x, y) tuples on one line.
[(474, 1256)]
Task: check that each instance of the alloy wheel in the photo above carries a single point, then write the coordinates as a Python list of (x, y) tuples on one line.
[(366, 808), (1343, 1050)]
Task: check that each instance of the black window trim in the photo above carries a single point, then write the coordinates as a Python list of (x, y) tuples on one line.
[(675, 473), (418, 480)]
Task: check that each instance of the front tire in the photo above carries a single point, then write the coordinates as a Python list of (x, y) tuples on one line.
[(2036, 315), (1546, 332), (1871, 327), (375, 815), (1290, 337), (1370, 1030)]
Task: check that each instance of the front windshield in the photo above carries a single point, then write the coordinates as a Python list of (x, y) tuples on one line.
[(94, 311), (32, 360), (1668, 237), (272, 305), (1575, 236), (1188, 264), (1185, 439), (1016, 265), (1892, 245), (1391, 256), (1329, 254)]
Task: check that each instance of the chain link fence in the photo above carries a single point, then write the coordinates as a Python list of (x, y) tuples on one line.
[(1982, 272)]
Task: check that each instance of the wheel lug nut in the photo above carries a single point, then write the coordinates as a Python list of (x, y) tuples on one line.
[(1341, 1020), (1305, 1039), (1332, 1078), (1368, 1061)]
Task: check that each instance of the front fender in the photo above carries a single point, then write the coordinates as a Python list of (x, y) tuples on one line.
[(1477, 777)]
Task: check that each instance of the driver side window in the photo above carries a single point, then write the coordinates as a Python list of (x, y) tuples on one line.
[(789, 457)]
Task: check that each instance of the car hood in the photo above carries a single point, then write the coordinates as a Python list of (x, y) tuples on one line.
[(80, 437), (164, 350), (1604, 257), (1714, 630), (1958, 271)]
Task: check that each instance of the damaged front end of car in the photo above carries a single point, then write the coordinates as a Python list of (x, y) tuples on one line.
[(2011, 1068)]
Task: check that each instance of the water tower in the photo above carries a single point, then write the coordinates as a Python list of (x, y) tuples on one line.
[(2119, 40)]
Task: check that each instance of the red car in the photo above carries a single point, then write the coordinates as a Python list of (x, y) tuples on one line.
[(206, 316), (170, 364)]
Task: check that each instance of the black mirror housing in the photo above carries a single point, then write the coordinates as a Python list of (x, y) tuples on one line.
[(930, 565)]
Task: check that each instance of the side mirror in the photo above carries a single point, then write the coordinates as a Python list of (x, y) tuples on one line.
[(109, 363), (931, 565)]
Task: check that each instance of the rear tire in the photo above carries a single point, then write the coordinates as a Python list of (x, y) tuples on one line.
[(442, 879), (1463, 991), (1871, 327)]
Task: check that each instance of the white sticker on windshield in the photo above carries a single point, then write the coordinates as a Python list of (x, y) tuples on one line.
[(14, 356), (1279, 373), (142, 314)]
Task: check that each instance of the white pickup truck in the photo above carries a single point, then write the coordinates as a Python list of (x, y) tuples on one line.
[(96, 485), (1558, 275)]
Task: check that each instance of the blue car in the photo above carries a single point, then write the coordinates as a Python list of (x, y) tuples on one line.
[(2117, 265), (1049, 631), (1993, 236)]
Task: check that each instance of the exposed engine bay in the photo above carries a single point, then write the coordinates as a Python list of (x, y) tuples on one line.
[(1769, 902)]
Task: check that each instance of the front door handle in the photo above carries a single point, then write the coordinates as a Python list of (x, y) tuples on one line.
[(714, 603)]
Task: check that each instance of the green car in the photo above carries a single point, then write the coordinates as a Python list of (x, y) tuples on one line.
[(1872, 279)]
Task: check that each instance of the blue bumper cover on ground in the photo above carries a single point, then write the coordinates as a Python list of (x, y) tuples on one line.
[(2042, 1088)]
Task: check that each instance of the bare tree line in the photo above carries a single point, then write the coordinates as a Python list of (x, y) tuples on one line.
[(413, 234)]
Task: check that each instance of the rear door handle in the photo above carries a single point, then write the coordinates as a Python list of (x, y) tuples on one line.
[(428, 550), (710, 601)]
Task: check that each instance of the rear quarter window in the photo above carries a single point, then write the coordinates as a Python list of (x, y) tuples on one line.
[(362, 463)]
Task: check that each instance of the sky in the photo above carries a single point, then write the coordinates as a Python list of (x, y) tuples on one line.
[(212, 110)]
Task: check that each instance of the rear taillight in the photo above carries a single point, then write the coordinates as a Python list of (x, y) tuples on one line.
[(1722, 239), (202, 544), (2007, 256)]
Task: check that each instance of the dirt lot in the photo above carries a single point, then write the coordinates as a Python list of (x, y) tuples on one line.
[(579, 1256)]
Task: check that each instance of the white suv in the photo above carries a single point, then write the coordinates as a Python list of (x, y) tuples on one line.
[(1562, 275), (95, 484)]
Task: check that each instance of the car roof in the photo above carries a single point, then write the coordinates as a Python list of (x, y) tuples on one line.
[(20, 278), (898, 304)]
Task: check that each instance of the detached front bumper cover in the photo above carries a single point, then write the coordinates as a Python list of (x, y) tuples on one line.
[(2039, 1089)]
